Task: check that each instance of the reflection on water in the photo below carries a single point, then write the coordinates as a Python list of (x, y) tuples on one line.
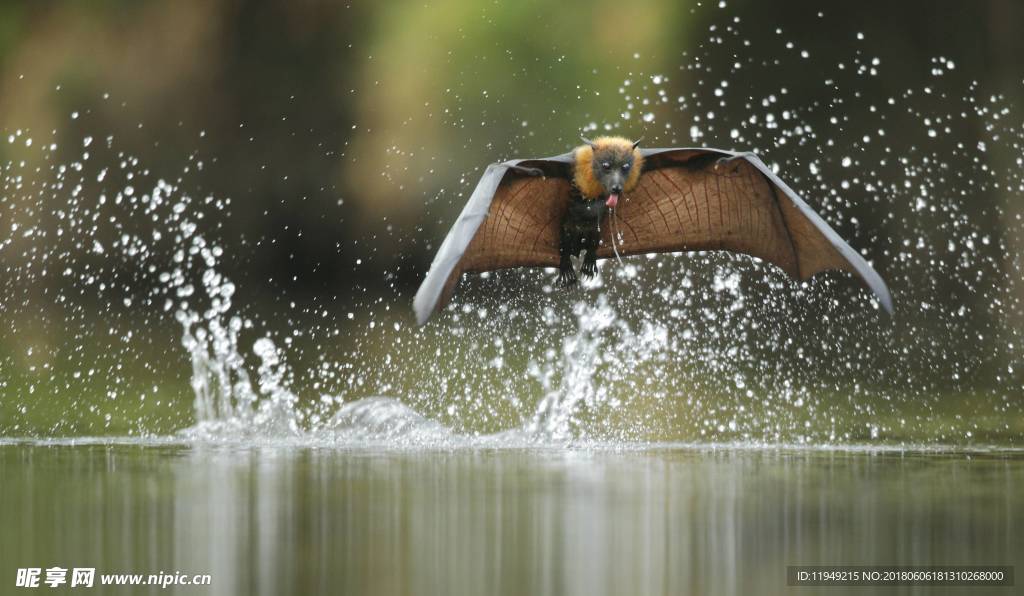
[(671, 521)]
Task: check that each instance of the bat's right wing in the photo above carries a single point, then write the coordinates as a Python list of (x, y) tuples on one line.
[(512, 219)]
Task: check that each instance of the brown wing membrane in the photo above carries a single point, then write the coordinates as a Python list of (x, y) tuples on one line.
[(521, 227), (520, 230), (511, 220), (710, 204), (716, 200), (688, 199)]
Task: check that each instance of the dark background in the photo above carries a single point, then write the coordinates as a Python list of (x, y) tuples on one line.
[(347, 136)]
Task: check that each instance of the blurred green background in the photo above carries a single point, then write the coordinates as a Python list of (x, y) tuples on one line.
[(347, 136)]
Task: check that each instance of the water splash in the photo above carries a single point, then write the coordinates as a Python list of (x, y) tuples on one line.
[(571, 379), (230, 407), (575, 377), (691, 345), (383, 420)]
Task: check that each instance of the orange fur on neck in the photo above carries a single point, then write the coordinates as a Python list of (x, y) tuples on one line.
[(583, 169)]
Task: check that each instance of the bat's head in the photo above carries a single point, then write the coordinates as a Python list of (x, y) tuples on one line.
[(607, 167)]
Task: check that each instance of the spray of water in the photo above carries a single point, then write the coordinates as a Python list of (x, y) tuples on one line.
[(230, 406), (675, 347), (579, 376)]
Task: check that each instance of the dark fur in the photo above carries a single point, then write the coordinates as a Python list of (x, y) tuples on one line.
[(581, 231), (581, 226)]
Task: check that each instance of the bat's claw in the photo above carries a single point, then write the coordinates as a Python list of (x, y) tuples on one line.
[(567, 277), (589, 268), (731, 163), (527, 171)]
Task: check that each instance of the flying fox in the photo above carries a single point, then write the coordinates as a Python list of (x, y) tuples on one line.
[(543, 212)]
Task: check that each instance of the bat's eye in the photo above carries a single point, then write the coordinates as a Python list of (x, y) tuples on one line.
[(606, 166), (625, 168)]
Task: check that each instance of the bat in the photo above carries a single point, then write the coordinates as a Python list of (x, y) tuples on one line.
[(540, 212)]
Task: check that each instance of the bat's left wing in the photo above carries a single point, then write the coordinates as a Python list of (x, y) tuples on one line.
[(511, 220), (710, 199)]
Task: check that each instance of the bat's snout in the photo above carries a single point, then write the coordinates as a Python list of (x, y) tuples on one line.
[(615, 189)]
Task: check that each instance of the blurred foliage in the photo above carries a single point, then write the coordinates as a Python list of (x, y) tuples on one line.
[(352, 122), (348, 136)]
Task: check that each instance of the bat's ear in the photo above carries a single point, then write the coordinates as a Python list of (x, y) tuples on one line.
[(636, 143), (589, 142)]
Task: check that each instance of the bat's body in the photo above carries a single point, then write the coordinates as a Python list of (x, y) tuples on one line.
[(539, 212), (601, 171), (580, 231)]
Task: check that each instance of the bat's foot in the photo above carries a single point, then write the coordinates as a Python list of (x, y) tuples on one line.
[(567, 277), (589, 268)]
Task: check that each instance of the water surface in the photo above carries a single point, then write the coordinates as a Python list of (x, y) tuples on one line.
[(659, 520)]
